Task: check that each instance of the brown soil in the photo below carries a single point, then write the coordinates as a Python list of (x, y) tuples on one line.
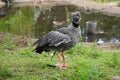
[(105, 8), (86, 4)]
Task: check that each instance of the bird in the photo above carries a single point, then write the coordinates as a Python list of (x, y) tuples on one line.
[(61, 39)]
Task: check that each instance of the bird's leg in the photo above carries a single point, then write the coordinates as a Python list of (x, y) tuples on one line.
[(64, 60), (59, 62)]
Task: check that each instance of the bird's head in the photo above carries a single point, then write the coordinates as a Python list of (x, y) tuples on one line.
[(76, 17)]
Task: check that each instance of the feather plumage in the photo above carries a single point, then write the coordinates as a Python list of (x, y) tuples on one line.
[(60, 39)]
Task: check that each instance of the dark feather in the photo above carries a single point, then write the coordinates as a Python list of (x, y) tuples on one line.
[(41, 49)]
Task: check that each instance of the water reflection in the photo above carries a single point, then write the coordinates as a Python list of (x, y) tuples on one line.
[(36, 21)]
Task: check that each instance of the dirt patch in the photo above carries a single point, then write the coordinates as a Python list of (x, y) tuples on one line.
[(90, 5), (86, 4)]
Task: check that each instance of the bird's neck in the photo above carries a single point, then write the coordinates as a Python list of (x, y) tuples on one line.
[(75, 24)]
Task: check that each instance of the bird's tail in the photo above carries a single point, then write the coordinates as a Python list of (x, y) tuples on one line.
[(41, 45), (36, 42), (41, 49), (38, 50)]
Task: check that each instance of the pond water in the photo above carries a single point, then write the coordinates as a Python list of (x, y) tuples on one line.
[(35, 21)]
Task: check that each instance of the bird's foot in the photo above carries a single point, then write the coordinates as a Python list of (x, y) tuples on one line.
[(62, 68), (65, 65)]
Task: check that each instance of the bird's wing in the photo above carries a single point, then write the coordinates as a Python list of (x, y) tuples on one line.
[(41, 41), (56, 38), (64, 30)]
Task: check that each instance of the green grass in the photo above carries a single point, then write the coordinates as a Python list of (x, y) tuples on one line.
[(7, 42), (85, 63)]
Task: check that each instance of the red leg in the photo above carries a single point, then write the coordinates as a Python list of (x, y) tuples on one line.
[(59, 62), (64, 60)]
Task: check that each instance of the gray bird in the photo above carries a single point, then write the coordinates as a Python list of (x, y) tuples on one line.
[(61, 39)]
